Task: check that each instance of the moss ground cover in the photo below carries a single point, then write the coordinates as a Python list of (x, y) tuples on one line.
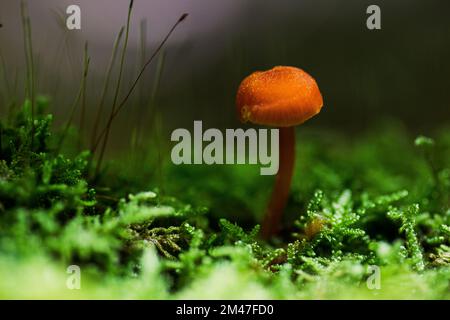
[(381, 199), (367, 217)]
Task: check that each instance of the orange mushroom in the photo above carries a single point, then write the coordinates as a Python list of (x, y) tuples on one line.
[(281, 97)]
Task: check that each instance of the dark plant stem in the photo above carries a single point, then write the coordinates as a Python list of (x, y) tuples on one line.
[(116, 94), (115, 111), (86, 62), (28, 45), (83, 98), (139, 77), (106, 86), (4, 75), (159, 70), (141, 59), (280, 191)]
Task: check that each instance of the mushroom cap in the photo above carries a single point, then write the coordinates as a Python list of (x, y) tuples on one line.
[(280, 97)]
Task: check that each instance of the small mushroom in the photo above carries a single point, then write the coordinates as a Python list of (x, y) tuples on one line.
[(281, 97)]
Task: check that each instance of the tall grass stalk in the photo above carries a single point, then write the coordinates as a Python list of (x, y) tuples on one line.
[(83, 99), (7, 87), (13, 95), (143, 50), (57, 60), (86, 62), (10, 88), (155, 53), (156, 84), (116, 93), (106, 87), (150, 108), (142, 55), (28, 45), (133, 86), (71, 60)]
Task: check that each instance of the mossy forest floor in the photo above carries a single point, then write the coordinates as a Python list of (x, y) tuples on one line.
[(364, 211)]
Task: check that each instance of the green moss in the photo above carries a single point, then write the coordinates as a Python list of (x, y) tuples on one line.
[(379, 200)]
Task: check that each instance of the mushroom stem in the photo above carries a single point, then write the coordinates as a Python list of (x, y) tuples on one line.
[(280, 192)]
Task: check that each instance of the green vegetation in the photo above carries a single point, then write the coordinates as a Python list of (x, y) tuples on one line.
[(380, 199), (141, 227)]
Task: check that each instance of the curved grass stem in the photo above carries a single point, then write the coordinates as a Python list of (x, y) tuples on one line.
[(81, 92), (115, 111), (106, 86), (116, 93)]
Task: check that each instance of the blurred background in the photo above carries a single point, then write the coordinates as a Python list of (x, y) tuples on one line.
[(399, 72)]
